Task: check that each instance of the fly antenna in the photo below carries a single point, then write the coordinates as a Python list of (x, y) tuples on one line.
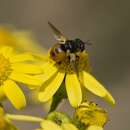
[(88, 42)]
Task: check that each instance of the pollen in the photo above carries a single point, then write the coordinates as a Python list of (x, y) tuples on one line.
[(81, 63), (5, 69)]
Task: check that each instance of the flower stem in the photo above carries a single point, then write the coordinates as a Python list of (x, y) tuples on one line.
[(24, 118)]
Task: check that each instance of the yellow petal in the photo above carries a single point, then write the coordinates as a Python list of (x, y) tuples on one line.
[(22, 57), (49, 125), (6, 37), (49, 70), (50, 87), (94, 127), (26, 68), (23, 118), (95, 87), (25, 41), (7, 51), (26, 79), (14, 94), (69, 126), (73, 89)]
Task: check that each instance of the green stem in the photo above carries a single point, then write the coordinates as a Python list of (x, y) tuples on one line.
[(24, 118)]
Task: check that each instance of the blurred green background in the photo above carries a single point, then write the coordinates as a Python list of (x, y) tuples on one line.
[(105, 22)]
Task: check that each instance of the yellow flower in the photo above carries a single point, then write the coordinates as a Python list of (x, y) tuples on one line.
[(91, 115), (19, 39), (56, 73), (16, 68)]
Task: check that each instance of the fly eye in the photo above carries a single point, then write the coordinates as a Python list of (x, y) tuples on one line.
[(88, 42), (53, 54)]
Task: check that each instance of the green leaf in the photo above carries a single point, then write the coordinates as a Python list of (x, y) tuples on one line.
[(58, 97)]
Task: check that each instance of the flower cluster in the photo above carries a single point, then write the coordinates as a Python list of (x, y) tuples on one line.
[(16, 68), (60, 74), (91, 115)]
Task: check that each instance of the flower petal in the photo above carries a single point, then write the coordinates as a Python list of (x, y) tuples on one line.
[(69, 126), (49, 70), (26, 68), (22, 57), (50, 87), (7, 51), (26, 79), (95, 87), (26, 42), (49, 125), (14, 94), (73, 89), (94, 127)]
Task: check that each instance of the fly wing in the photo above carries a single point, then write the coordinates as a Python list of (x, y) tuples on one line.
[(57, 34)]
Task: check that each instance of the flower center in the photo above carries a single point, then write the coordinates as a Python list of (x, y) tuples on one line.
[(5, 69), (91, 114), (81, 63)]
